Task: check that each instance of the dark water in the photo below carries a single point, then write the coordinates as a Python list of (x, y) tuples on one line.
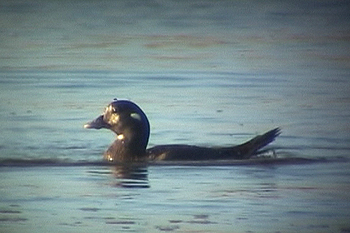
[(212, 73)]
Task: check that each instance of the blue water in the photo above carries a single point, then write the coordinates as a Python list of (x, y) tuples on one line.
[(210, 73), (42, 113)]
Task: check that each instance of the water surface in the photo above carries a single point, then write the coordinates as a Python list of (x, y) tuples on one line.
[(210, 73)]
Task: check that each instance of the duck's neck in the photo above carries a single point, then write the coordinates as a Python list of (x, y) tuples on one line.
[(124, 149)]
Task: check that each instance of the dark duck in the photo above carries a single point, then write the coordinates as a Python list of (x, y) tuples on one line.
[(130, 124)]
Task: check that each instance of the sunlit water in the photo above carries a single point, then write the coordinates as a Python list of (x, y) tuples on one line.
[(210, 73)]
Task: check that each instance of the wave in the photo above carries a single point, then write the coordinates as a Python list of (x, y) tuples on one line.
[(249, 162), (43, 162)]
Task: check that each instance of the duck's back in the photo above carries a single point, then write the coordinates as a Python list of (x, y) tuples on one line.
[(188, 152)]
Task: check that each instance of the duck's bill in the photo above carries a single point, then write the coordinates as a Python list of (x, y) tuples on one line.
[(98, 123)]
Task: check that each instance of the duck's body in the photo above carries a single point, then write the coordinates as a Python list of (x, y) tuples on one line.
[(131, 125)]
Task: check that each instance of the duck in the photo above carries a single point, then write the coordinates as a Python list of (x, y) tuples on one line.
[(132, 128)]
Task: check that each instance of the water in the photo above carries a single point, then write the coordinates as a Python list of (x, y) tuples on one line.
[(288, 198), (211, 73)]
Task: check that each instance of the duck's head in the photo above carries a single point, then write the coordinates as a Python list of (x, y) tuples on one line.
[(131, 125)]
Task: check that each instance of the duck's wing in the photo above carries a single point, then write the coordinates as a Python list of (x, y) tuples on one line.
[(180, 152), (195, 153)]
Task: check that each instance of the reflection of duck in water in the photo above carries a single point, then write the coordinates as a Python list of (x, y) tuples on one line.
[(131, 125), (131, 175)]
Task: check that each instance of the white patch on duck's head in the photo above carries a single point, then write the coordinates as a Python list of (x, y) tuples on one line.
[(136, 116)]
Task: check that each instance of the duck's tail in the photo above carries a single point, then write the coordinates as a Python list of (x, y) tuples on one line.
[(252, 147)]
